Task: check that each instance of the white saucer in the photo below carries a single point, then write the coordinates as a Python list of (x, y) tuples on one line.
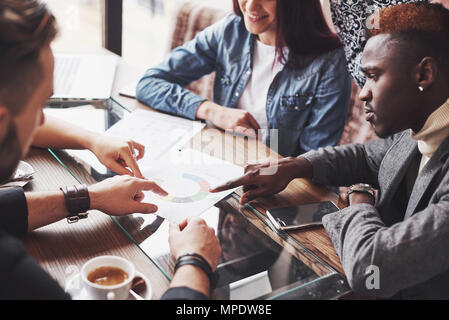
[(75, 288), (23, 171)]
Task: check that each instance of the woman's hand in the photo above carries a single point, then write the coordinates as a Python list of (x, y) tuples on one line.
[(118, 154), (235, 120)]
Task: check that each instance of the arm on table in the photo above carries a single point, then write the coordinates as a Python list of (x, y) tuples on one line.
[(361, 240), (349, 164), (192, 236), (115, 196), (115, 153), (336, 166), (163, 87)]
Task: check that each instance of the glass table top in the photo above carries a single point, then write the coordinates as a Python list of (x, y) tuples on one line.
[(256, 262)]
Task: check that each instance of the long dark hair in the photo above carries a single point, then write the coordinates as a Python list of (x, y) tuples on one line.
[(300, 26)]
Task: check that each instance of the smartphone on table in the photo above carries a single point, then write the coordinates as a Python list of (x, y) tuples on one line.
[(302, 216)]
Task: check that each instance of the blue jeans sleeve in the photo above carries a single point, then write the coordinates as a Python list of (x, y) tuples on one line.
[(329, 112), (163, 87)]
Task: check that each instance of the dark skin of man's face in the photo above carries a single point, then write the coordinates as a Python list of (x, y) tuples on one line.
[(394, 103), (391, 92)]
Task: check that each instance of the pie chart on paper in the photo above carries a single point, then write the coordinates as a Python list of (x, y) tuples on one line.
[(189, 188)]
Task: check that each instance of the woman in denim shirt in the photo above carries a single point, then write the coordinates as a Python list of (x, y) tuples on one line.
[(301, 88)]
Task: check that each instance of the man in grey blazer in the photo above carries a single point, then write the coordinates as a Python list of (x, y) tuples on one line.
[(397, 246)]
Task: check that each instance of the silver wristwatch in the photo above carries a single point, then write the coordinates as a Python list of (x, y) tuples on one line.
[(361, 188)]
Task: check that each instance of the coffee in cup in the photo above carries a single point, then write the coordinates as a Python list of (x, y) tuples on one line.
[(107, 277)]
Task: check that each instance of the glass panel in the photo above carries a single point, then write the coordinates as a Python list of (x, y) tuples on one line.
[(252, 265), (80, 24), (145, 32), (256, 262)]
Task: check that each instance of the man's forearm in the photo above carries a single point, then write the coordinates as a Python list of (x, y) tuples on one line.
[(59, 134), (45, 208), (191, 277), (299, 167)]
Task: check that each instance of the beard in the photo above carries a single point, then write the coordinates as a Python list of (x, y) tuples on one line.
[(10, 153)]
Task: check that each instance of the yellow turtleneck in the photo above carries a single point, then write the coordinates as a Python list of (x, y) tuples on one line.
[(433, 133)]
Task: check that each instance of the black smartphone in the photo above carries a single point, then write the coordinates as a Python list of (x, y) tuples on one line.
[(302, 216)]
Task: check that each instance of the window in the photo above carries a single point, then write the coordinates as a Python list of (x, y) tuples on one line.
[(147, 25), (145, 28), (80, 24)]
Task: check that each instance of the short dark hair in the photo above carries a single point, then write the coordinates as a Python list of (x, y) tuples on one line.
[(302, 27), (26, 26), (422, 29)]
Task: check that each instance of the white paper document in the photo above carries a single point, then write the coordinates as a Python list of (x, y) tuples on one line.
[(187, 178), (159, 133)]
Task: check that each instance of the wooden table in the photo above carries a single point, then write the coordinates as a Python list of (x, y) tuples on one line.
[(61, 248)]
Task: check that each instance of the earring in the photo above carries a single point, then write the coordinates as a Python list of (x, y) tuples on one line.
[(421, 88)]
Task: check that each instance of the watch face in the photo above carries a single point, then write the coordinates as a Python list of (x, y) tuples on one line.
[(361, 187)]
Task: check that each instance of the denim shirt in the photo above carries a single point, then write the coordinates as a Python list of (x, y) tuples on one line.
[(307, 105)]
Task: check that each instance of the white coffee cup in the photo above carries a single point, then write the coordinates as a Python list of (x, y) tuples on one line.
[(118, 291)]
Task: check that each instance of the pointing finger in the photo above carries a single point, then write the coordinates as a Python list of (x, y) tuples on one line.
[(154, 187), (130, 160), (230, 184)]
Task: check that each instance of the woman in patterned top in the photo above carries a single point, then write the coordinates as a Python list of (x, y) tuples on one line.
[(350, 19)]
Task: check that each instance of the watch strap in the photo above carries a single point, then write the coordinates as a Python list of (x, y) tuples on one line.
[(77, 202), (360, 188)]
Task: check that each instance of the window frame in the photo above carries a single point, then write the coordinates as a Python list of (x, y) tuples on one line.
[(113, 26)]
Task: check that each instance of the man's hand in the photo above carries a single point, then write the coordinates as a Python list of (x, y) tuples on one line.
[(235, 120), (123, 195), (118, 154), (264, 179), (193, 235)]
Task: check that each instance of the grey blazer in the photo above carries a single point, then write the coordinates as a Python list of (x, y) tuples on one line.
[(407, 239)]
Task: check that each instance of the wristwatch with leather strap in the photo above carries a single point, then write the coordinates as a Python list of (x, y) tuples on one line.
[(77, 202)]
